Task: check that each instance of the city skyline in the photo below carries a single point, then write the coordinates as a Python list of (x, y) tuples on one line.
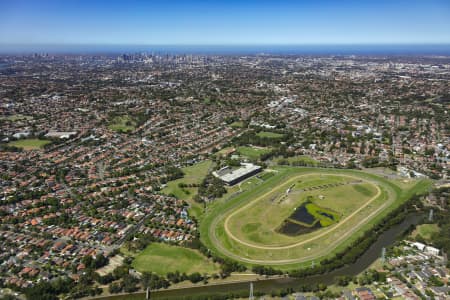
[(224, 23)]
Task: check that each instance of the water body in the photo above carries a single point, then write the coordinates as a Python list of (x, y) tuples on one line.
[(385, 239)]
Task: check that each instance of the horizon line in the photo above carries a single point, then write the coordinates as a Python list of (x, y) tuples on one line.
[(228, 44)]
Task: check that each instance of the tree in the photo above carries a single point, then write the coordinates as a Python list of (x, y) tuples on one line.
[(115, 287), (195, 277), (129, 283)]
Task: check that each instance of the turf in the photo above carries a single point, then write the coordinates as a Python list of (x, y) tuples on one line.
[(252, 243), (29, 144), (163, 258), (270, 135), (192, 174), (252, 152), (272, 210)]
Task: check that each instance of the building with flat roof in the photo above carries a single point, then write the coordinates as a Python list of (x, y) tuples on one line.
[(231, 177), (60, 134)]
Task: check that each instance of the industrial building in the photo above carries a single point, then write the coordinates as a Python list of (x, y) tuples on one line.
[(232, 176)]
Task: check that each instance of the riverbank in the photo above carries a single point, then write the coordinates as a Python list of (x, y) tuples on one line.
[(269, 285)]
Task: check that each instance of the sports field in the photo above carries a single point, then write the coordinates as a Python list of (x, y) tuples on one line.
[(270, 135), (162, 258), (29, 144), (252, 152), (341, 204)]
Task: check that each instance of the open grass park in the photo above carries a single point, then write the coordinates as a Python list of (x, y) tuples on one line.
[(252, 152), (163, 258), (29, 144), (192, 175), (300, 215), (426, 230)]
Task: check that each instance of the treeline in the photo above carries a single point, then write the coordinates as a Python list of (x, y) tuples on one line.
[(227, 266), (176, 277), (173, 173), (374, 162), (252, 138), (319, 289), (366, 278), (9, 148), (210, 187), (139, 241), (129, 283), (49, 290), (441, 239), (45, 290), (269, 271), (281, 150)]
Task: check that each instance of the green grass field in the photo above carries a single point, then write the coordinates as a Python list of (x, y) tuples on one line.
[(271, 210), (252, 152), (270, 135), (224, 151), (29, 144), (162, 258), (237, 124), (192, 174), (244, 228), (426, 230), (122, 124), (317, 212)]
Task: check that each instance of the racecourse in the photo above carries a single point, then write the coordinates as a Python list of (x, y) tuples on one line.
[(245, 228)]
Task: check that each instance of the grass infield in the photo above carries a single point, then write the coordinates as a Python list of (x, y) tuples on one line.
[(244, 228)]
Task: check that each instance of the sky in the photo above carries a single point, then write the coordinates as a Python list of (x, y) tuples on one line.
[(224, 22)]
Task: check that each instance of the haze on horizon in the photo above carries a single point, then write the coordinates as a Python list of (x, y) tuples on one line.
[(232, 22)]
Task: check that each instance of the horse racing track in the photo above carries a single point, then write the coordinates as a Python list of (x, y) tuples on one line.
[(300, 215)]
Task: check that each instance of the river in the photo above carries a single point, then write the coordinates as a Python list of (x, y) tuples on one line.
[(385, 239)]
